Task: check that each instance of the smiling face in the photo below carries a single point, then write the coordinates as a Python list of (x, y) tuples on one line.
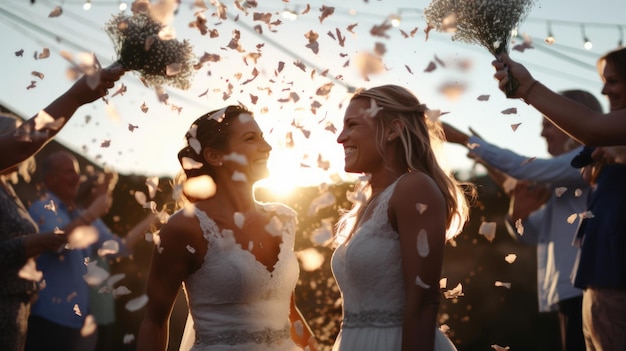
[(614, 86), (247, 149), (359, 139)]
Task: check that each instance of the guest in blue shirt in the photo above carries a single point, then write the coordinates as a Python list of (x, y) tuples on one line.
[(58, 315), (543, 215)]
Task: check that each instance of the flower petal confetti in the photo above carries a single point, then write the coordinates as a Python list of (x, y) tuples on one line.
[(137, 303), (488, 230), (457, 291), (423, 249), (502, 284), (560, 191), (420, 283), (510, 258), (202, 187)]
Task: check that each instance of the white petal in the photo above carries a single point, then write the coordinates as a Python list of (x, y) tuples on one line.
[(510, 258), (488, 229), (421, 207), (275, 227), (137, 303), (423, 249), (89, 326), (239, 219), (419, 282), (560, 191)]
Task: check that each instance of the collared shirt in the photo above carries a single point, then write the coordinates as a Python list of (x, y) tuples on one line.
[(64, 299), (548, 227)]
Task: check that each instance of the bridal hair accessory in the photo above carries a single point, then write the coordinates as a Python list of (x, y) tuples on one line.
[(488, 23), (147, 46)]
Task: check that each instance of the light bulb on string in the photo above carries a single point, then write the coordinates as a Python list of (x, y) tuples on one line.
[(395, 20), (586, 42), (550, 38), (87, 5), (122, 5)]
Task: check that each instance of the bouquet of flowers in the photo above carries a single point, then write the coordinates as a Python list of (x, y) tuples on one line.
[(143, 45), (488, 23)]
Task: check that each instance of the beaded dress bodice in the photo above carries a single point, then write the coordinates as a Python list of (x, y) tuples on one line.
[(233, 298), (368, 271)]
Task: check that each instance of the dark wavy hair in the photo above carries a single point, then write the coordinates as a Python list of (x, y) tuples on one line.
[(209, 130)]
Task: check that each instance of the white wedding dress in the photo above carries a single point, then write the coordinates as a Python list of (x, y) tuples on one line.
[(235, 302), (369, 274)]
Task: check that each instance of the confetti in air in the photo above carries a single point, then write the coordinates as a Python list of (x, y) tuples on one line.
[(488, 230)]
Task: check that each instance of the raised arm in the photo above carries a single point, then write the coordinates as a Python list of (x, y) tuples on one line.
[(581, 123), (32, 136)]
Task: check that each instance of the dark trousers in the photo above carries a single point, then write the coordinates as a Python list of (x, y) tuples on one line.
[(571, 320), (44, 335)]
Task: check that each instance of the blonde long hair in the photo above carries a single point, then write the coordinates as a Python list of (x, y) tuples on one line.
[(419, 137)]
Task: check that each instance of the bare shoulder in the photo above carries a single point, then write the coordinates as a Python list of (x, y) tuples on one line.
[(416, 186), (181, 228)]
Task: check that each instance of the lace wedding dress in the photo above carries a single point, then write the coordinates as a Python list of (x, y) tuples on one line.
[(369, 274), (235, 302)]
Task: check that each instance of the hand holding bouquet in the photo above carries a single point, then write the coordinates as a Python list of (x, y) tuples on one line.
[(144, 45), (488, 23)]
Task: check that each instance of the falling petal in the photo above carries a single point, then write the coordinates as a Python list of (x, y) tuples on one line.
[(310, 259), (578, 192), (420, 283), (77, 310), (95, 274), (109, 247), (503, 284), (488, 230), (483, 98), (274, 227), (587, 214), (423, 249), (421, 207), (152, 183), (237, 158), (189, 163), (519, 226), (136, 303), (515, 126), (89, 326), (202, 187), (560, 191), (239, 219), (509, 111), (29, 271), (500, 348), (140, 197), (239, 177), (322, 201), (443, 282), (128, 339), (82, 236), (510, 258), (454, 293), (572, 218), (56, 12), (191, 249), (50, 206)]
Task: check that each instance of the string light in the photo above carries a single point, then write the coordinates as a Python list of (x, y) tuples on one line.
[(550, 38), (586, 42), (395, 19), (290, 14), (122, 5), (87, 5)]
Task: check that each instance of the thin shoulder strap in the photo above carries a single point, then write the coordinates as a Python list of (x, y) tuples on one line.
[(210, 230)]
